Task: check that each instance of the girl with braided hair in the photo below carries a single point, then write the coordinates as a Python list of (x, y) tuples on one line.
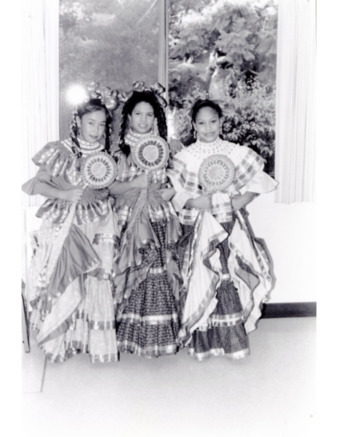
[(147, 277), (69, 285), (91, 107)]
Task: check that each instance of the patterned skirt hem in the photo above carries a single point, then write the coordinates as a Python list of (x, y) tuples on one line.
[(108, 325), (201, 356), (160, 319), (94, 358), (148, 351)]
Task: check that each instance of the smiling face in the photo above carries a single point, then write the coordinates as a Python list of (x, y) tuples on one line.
[(207, 125), (142, 117), (92, 126)]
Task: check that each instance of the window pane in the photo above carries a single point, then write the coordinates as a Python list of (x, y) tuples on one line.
[(113, 42), (237, 39)]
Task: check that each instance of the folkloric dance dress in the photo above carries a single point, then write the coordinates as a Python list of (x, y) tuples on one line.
[(226, 270), (69, 288), (147, 277)]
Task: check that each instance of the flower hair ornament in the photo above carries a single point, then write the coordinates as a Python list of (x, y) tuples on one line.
[(157, 89), (78, 95), (108, 97)]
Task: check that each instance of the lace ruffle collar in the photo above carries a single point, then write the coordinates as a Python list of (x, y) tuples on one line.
[(88, 148), (132, 138), (200, 149)]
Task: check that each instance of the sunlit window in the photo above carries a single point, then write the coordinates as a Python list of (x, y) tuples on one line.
[(113, 42)]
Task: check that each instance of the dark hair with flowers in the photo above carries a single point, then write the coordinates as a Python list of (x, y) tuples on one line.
[(148, 96)]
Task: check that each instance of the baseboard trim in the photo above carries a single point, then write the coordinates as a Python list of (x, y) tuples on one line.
[(294, 309)]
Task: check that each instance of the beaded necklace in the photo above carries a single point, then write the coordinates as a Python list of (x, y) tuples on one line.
[(87, 148), (201, 149), (132, 138)]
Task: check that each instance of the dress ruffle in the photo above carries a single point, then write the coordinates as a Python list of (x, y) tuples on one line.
[(139, 244), (148, 320), (80, 315), (57, 210), (250, 268), (227, 278), (202, 272)]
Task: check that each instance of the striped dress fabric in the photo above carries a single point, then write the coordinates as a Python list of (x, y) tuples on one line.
[(69, 290), (225, 269)]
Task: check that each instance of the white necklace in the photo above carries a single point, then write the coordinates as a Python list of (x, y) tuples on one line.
[(219, 146), (132, 138), (87, 148)]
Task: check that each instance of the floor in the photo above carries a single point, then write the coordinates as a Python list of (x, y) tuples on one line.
[(270, 393)]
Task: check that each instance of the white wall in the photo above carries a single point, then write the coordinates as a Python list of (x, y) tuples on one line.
[(289, 232)]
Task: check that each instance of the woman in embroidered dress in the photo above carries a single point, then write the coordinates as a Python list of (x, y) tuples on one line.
[(225, 269), (69, 288), (147, 277)]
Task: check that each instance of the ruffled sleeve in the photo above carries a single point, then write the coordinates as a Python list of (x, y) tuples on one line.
[(55, 158), (184, 181), (261, 183), (248, 163), (249, 172), (54, 161)]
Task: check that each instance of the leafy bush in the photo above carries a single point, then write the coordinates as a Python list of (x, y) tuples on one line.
[(249, 120)]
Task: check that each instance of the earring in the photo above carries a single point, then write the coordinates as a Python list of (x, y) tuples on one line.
[(194, 134)]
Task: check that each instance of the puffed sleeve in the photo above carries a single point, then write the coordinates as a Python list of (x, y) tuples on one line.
[(250, 175), (260, 183), (184, 182), (53, 160)]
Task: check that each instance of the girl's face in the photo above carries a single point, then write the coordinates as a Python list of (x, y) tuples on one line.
[(142, 117), (92, 126), (207, 125)]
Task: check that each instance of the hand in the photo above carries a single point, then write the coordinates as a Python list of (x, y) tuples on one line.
[(202, 202), (242, 200), (140, 181), (167, 193), (72, 195), (175, 146)]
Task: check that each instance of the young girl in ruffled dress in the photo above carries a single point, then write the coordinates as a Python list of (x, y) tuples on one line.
[(147, 278), (226, 270), (69, 287)]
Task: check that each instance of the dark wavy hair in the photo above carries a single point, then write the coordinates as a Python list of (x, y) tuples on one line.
[(92, 105), (197, 106), (138, 97)]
